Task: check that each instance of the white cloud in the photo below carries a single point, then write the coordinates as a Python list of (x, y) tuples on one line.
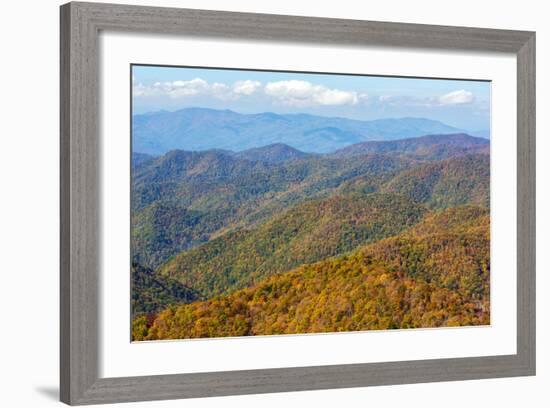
[(196, 87), (294, 93), (221, 91), (173, 89), (457, 98), (179, 89), (303, 93), (139, 89), (246, 87)]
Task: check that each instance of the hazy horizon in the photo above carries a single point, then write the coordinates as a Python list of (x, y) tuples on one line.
[(464, 104), (198, 129), (303, 113), (272, 144)]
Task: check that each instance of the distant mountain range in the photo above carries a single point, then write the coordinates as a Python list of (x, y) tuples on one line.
[(432, 147), (197, 129), (183, 199), (273, 153), (273, 239), (429, 147)]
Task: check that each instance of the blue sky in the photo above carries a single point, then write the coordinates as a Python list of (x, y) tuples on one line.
[(462, 104)]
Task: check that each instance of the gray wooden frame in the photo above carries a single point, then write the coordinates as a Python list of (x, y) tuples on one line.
[(80, 234)]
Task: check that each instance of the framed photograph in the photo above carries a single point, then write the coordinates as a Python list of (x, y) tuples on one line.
[(260, 203)]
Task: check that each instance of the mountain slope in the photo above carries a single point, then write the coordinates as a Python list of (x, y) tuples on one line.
[(139, 159), (430, 147), (380, 286), (273, 153), (185, 198), (152, 292), (204, 129), (446, 183), (195, 179), (306, 233), (165, 228), (451, 250)]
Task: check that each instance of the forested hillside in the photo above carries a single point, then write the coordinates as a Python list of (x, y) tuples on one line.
[(186, 198), (163, 229), (273, 153), (441, 184), (274, 240), (151, 292), (430, 147), (305, 233), (428, 276)]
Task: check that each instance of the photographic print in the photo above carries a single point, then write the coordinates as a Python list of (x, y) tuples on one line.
[(272, 203)]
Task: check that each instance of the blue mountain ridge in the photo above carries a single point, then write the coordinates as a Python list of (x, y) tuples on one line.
[(197, 129)]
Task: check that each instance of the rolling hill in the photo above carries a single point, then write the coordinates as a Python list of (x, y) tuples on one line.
[(430, 147), (273, 153), (306, 233), (254, 224), (152, 293), (436, 274), (449, 248), (166, 228), (214, 179), (182, 199), (446, 183)]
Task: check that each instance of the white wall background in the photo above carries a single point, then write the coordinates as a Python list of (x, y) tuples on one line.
[(29, 203)]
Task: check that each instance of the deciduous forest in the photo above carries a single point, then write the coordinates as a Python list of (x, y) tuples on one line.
[(274, 240)]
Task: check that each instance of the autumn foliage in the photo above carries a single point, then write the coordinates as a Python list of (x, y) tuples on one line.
[(427, 276), (381, 235)]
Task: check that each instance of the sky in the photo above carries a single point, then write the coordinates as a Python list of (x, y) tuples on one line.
[(459, 103)]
